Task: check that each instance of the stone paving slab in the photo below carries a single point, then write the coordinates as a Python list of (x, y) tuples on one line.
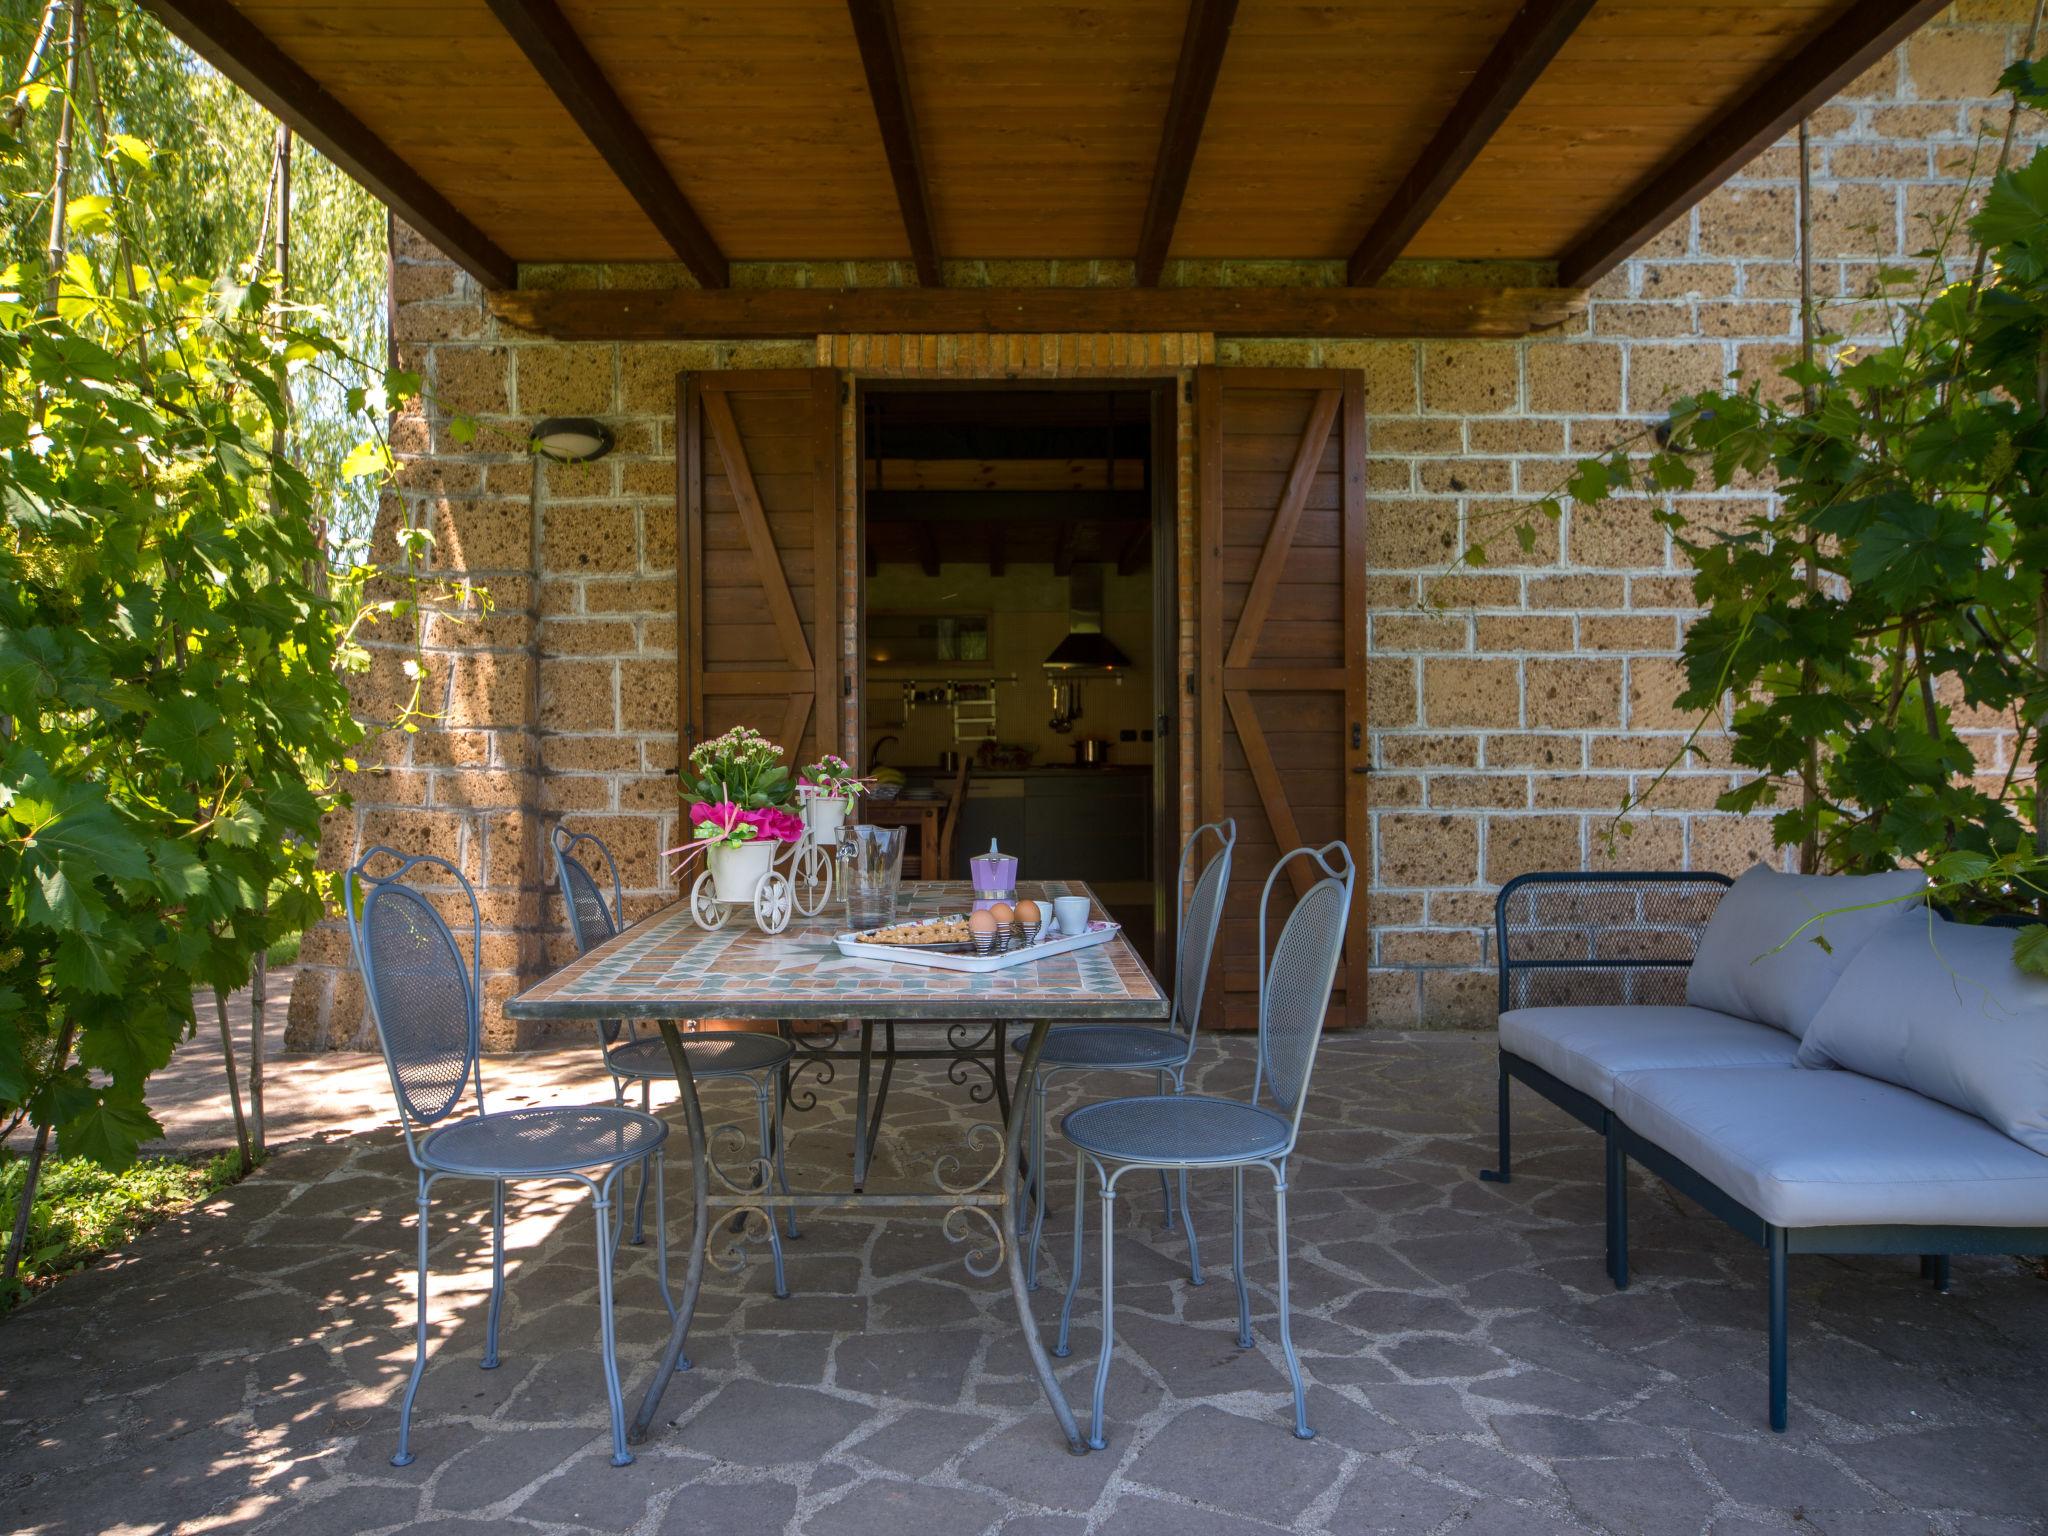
[(1473, 1371)]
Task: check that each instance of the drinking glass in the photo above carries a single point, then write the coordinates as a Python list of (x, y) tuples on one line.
[(870, 874)]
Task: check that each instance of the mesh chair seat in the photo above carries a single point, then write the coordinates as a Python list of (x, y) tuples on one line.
[(739, 1054), (1110, 1045), (1188, 1128), (536, 1141)]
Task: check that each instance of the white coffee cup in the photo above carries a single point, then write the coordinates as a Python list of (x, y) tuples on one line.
[(1071, 913)]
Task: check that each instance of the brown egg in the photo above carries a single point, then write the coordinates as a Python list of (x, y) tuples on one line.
[(1002, 912), (1027, 912), (981, 922)]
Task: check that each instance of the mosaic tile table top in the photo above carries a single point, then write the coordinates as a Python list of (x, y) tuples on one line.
[(669, 967)]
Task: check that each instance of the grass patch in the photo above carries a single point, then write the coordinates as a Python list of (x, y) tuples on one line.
[(284, 952), (83, 1211)]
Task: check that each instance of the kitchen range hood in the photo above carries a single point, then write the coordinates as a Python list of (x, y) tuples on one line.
[(1086, 648)]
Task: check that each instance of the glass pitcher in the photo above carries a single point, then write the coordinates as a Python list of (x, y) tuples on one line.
[(870, 874)]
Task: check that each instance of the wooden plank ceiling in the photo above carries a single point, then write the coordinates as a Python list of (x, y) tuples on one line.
[(526, 131)]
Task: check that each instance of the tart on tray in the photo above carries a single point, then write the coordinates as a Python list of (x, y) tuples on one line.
[(933, 930)]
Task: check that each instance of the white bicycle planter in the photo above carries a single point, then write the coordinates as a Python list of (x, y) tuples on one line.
[(774, 879)]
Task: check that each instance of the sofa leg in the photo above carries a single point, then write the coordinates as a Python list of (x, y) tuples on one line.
[(1500, 1173), (1617, 1175), (1617, 1210), (1775, 1240), (1934, 1268)]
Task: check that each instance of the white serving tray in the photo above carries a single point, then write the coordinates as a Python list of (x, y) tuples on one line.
[(1099, 932)]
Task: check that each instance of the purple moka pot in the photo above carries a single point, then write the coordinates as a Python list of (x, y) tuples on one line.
[(994, 875)]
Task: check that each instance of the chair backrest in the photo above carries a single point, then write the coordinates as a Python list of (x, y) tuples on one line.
[(424, 998), (1201, 914), (592, 919), (956, 805), (1296, 977)]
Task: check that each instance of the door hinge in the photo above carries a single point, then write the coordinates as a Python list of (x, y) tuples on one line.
[(1357, 736), (1191, 685), (845, 686)]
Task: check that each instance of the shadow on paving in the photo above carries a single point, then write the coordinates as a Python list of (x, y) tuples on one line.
[(1472, 1369)]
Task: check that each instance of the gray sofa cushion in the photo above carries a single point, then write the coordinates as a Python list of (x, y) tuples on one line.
[(1940, 1008), (1832, 1149), (1586, 1047), (1735, 970)]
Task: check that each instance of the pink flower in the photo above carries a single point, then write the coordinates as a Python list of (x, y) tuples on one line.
[(722, 814), (774, 822)]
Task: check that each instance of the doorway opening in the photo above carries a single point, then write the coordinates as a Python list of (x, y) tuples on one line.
[(1018, 625)]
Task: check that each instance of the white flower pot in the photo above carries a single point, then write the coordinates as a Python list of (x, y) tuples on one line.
[(736, 871), (824, 815)]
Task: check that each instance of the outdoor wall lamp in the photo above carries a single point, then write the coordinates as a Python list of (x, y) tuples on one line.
[(572, 439)]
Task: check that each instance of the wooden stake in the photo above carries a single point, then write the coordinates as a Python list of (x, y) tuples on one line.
[(18, 1238), (227, 1056)]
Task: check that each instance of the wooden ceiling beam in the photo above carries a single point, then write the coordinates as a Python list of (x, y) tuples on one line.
[(747, 314), (1532, 39), (881, 58), (1851, 44), (226, 39), (1194, 83), (558, 54)]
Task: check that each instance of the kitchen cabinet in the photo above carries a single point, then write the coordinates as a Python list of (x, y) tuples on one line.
[(1071, 824)]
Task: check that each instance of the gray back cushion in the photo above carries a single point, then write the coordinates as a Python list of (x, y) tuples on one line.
[(1941, 1009), (1741, 967)]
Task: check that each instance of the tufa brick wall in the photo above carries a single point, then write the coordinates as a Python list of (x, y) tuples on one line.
[(1512, 708)]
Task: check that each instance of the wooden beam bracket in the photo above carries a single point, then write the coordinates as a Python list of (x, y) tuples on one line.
[(1194, 83), (1533, 37), (559, 55), (881, 58), (231, 43), (1852, 43)]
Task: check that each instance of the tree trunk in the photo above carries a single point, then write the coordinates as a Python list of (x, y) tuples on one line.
[(1809, 768), (17, 108), (259, 997), (227, 1056), (18, 1239), (60, 177), (2041, 737)]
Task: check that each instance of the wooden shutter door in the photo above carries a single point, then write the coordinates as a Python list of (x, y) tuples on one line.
[(1282, 640), (757, 578)]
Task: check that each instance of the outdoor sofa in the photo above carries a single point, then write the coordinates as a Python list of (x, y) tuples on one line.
[(1875, 1081)]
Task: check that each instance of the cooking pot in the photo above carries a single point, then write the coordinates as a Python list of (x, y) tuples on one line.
[(1091, 752)]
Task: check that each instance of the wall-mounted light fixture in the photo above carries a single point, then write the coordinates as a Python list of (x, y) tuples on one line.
[(572, 439)]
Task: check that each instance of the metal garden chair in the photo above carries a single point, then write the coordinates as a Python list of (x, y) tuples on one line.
[(1198, 1131), (1163, 1050), (632, 1057), (426, 1003)]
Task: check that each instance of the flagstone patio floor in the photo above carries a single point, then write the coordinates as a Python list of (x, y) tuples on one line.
[(1473, 1371)]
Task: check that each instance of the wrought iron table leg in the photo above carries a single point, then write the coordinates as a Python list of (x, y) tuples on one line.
[(999, 1059), (861, 1141), (672, 1359), (1013, 1130)]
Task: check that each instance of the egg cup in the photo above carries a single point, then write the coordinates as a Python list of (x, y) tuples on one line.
[(984, 941)]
